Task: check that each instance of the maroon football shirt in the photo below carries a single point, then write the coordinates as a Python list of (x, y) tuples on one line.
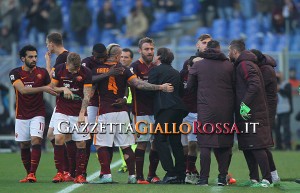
[(61, 58), (189, 98), (75, 82), (91, 63), (30, 105), (112, 88), (142, 103)]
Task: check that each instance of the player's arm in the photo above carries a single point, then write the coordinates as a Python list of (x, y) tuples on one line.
[(48, 63), (143, 85), (18, 84), (66, 91), (113, 71), (85, 102)]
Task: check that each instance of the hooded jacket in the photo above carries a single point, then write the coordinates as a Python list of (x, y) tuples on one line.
[(250, 90), (213, 77)]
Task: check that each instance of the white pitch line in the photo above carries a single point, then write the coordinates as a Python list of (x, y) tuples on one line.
[(91, 177)]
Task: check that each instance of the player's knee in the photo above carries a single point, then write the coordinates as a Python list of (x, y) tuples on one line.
[(192, 148), (142, 145), (80, 144), (59, 139), (36, 140), (25, 144), (50, 134), (185, 150)]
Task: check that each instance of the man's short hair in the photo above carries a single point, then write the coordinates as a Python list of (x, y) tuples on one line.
[(238, 45), (74, 58), (204, 37), (26, 48), (113, 49), (128, 50), (145, 40), (166, 56), (258, 54), (100, 50), (55, 38), (213, 44)]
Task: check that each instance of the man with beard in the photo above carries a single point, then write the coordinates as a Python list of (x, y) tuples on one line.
[(210, 89), (143, 111), (55, 45), (251, 106), (266, 65), (189, 141), (30, 82)]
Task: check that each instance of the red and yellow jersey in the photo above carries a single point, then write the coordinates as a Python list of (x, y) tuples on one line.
[(75, 82), (112, 88), (142, 103), (30, 105)]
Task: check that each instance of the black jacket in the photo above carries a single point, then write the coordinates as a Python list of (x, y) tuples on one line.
[(165, 73)]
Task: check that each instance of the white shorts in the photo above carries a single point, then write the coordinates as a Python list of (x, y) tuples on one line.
[(186, 138), (92, 113), (144, 137), (52, 120), (65, 124), (112, 135), (24, 129)]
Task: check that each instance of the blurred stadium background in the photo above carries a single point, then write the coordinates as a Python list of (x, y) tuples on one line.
[(272, 26)]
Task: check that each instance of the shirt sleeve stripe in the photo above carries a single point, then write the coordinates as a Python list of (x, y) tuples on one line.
[(54, 81), (131, 77), (16, 82), (88, 85)]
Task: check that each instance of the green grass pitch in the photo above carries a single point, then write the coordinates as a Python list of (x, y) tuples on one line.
[(12, 171)]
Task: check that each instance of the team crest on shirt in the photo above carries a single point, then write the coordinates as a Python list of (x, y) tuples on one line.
[(79, 78), (39, 76), (12, 77), (83, 64), (131, 70)]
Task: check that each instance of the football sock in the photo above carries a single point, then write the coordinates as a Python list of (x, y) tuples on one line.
[(191, 161), (104, 160), (154, 160), (71, 155), (59, 157), (80, 161), (139, 162), (26, 158), (130, 160), (35, 157), (88, 153)]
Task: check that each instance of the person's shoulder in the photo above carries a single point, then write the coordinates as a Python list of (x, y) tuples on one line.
[(15, 70), (135, 63), (87, 59)]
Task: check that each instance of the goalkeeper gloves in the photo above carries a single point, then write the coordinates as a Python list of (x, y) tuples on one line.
[(244, 111)]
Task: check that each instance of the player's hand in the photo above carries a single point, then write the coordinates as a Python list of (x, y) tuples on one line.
[(48, 57), (81, 119), (197, 59), (116, 70), (244, 111), (68, 94), (50, 90), (119, 102), (167, 87)]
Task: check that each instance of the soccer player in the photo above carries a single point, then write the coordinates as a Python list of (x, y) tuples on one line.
[(126, 60), (114, 110), (189, 141), (99, 55), (266, 65), (30, 82), (54, 42), (251, 100), (143, 111), (71, 79)]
